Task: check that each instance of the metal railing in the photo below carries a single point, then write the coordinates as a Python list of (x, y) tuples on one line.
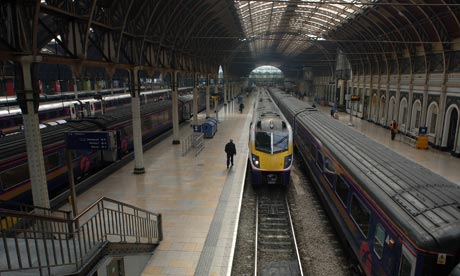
[(198, 142), (187, 144), (194, 140), (48, 244)]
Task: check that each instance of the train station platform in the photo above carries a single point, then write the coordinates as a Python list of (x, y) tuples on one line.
[(437, 161), (197, 196)]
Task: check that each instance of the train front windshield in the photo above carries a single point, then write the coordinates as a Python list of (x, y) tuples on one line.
[(272, 142)]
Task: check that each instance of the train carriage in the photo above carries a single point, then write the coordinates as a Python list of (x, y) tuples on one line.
[(397, 217), (270, 143), (15, 185)]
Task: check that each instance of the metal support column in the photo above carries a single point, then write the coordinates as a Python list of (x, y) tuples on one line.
[(232, 93), (137, 131), (28, 101), (175, 108), (342, 92), (224, 82), (216, 92), (195, 99), (208, 97), (76, 74), (110, 73)]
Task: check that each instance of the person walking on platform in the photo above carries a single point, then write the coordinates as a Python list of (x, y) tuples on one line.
[(230, 149), (393, 129)]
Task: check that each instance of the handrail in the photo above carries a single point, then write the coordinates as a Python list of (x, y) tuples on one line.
[(14, 213), (29, 208), (46, 244), (103, 198)]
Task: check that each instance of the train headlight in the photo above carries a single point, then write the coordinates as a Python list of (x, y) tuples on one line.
[(255, 160), (287, 161)]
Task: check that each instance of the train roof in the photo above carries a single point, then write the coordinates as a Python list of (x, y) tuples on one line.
[(422, 203), (267, 115), (15, 110)]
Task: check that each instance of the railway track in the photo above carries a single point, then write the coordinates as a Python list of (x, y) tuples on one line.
[(276, 251)]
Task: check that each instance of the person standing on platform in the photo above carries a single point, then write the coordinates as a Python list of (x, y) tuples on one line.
[(230, 149), (393, 129)]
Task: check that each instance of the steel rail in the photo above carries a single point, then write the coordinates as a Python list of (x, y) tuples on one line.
[(293, 237), (256, 235)]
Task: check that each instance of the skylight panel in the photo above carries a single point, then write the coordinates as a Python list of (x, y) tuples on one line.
[(302, 21), (328, 10)]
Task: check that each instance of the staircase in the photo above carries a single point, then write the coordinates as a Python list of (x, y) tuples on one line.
[(50, 242)]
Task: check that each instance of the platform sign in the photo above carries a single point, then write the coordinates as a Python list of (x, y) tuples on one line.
[(355, 98), (88, 140), (422, 130)]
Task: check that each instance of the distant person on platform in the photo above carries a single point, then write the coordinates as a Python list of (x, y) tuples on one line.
[(393, 129), (230, 149)]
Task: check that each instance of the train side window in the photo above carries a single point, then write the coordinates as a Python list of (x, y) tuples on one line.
[(14, 176), (379, 240), (360, 215), (329, 171), (319, 160), (313, 152), (52, 161), (342, 189), (407, 265), (328, 165), (147, 123)]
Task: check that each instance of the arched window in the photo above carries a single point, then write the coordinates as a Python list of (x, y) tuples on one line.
[(432, 117), (374, 108), (416, 115), (391, 109), (450, 127), (382, 109), (402, 112)]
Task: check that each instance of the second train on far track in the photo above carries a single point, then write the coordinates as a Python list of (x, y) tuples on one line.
[(270, 143)]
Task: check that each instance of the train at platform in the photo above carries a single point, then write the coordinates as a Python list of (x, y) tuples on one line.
[(15, 184), (58, 112), (270, 143), (395, 216)]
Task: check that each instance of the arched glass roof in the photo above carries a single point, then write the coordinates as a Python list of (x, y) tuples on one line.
[(289, 27), (266, 71)]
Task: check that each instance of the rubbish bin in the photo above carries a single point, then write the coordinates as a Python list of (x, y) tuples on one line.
[(214, 120), (209, 128), (422, 138)]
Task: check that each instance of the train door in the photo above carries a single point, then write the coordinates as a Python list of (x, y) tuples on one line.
[(407, 263), (186, 111), (73, 109), (92, 109)]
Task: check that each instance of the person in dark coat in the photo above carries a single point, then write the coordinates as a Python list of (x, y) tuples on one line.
[(230, 149)]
